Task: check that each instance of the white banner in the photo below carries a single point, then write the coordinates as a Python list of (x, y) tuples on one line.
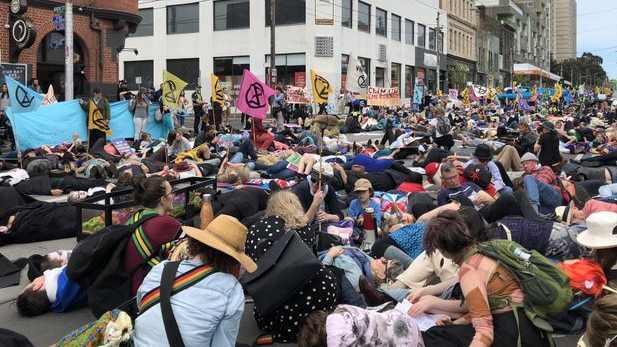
[(379, 96), (480, 91), (356, 77)]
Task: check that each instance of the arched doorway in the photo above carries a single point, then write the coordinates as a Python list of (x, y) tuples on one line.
[(50, 62)]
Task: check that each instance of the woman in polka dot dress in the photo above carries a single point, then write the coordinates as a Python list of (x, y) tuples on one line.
[(284, 212)]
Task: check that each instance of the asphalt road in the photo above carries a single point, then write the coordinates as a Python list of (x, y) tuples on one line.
[(49, 328)]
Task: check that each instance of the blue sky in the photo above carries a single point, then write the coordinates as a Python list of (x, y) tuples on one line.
[(597, 30)]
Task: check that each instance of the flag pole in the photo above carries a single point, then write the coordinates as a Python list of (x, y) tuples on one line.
[(319, 186), (17, 147)]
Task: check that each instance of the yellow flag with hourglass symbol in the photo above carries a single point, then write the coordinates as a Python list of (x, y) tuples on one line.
[(321, 88)]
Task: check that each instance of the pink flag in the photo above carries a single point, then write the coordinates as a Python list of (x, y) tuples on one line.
[(253, 96)]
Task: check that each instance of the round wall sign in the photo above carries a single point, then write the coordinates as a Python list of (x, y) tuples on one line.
[(23, 33)]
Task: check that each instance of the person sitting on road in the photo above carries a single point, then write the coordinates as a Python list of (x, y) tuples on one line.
[(213, 319), (540, 184)]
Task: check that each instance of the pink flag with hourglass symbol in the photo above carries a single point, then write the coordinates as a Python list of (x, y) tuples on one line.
[(253, 96)]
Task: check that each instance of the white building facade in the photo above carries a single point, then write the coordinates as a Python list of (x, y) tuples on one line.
[(395, 41)]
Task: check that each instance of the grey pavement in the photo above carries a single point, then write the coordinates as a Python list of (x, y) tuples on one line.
[(49, 328)]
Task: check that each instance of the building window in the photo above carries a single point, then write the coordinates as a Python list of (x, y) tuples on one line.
[(290, 69), (409, 31), (146, 26), (421, 35), (364, 16), (409, 76), (288, 12), (381, 26), (231, 14), (344, 67), (182, 19), (380, 77), (186, 69), (143, 69), (396, 27), (395, 77), (431, 39), (229, 71), (346, 11)]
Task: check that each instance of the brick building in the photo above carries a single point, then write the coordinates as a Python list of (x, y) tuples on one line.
[(34, 35)]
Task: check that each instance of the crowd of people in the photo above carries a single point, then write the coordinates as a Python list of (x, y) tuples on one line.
[(477, 173)]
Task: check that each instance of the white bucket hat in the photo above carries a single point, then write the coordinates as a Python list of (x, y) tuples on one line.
[(601, 231)]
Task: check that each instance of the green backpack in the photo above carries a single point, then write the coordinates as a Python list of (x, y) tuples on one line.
[(546, 287)]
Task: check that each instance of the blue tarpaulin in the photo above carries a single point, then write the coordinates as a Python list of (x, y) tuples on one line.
[(55, 123)]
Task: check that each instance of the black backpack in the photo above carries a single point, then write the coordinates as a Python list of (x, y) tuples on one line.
[(96, 264)]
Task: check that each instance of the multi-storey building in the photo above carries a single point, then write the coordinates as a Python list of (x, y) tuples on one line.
[(511, 32), (563, 33), (462, 46), (33, 43), (394, 40)]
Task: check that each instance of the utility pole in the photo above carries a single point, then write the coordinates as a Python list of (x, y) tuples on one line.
[(437, 31), (68, 51), (273, 71)]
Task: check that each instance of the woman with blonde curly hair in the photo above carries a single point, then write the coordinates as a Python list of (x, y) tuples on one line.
[(287, 206), (284, 213)]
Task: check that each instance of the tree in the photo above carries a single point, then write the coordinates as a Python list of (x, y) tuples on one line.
[(457, 74), (586, 69)]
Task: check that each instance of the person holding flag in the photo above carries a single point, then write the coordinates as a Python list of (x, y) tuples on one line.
[(217, 100), (99, 115)]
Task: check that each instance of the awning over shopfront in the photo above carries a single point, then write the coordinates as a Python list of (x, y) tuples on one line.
[(530, 69)]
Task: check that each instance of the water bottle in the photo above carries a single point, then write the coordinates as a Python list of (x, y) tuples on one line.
[(206, 215), (369, 219), (369, 225), (523, 255)]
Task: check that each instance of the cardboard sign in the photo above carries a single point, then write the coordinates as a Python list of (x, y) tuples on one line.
[(379, 96), (297, 95)]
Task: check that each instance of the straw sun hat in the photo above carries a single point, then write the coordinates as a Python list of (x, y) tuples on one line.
[(226, 234)]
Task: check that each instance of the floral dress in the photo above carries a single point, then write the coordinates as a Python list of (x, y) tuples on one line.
[(320, 293)]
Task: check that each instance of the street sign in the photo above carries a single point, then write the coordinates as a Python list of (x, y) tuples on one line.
[(138, 80), (59, 9)]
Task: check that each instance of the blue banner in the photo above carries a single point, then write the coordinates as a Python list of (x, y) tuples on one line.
[(55, 123), (22, 98)]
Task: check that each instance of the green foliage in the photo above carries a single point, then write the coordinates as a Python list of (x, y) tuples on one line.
[(457, 75), (585, 69)]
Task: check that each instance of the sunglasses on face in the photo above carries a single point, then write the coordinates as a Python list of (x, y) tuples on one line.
[(315, 179)]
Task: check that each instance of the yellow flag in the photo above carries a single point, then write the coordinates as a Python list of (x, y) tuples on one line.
[(172, 86), (558, 93), (321, 88), (217, 90), (96, 119)]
